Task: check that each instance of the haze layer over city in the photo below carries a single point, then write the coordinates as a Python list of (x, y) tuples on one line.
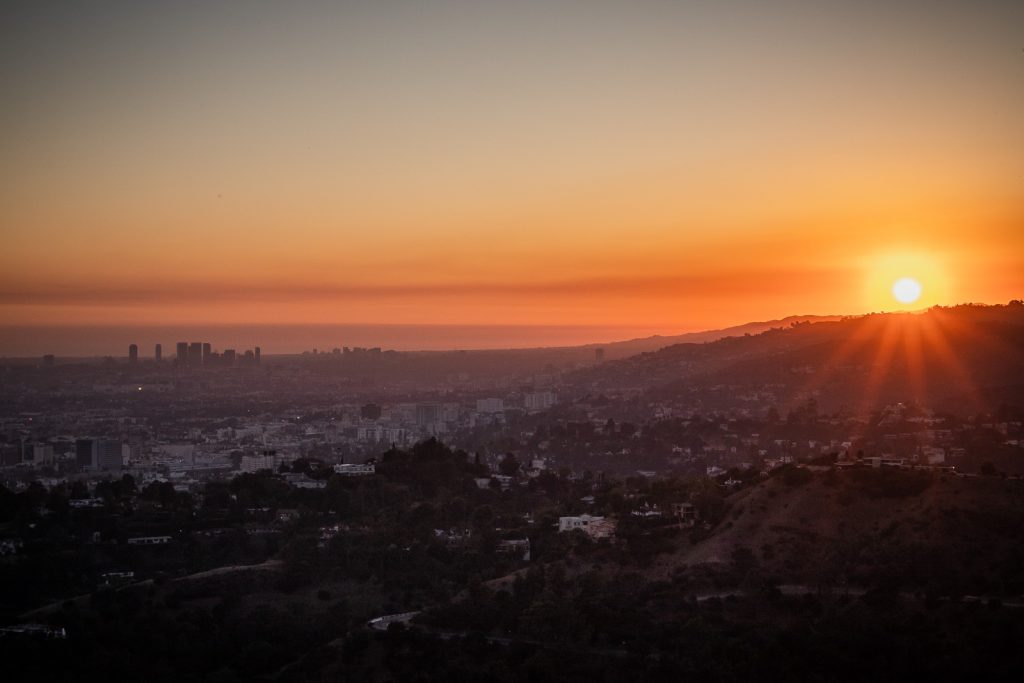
[(452, 340)]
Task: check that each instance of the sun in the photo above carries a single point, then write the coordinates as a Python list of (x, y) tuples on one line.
[(906, 279), (907, 290)]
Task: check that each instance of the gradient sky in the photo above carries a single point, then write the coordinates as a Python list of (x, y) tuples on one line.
[(657, 165)]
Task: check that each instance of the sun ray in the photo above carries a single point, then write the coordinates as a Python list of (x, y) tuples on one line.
[(866, 329), (881, 365), (976, 333), (947, 356), (914, 356)]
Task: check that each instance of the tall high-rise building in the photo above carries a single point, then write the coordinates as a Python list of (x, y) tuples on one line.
[(108, 454), (195, 354), (42, 454), (598, 355), (257, 351), (207, 350), (229, 356), (98, 454), (158, 353), (10, 454), (133, 353), (539, 400), (428, 414), (182, 353), (85, 450)]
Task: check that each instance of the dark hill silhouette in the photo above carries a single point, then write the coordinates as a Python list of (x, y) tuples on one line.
[(629, 347), (963, 358)]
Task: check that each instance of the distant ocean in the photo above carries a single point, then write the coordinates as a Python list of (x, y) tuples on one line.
[(80, 341)]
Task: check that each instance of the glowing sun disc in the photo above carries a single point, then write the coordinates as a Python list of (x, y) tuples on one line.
[(906, 290)]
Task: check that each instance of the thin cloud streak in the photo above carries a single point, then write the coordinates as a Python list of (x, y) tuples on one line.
[(706, 285)]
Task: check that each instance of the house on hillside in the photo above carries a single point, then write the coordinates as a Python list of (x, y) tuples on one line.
[(595, 527), (686, 513), (516, 546), (355, 470)]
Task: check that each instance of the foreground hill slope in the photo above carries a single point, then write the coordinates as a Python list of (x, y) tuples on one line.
[(870, 528)]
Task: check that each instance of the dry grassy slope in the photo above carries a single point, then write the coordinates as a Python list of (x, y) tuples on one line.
[(971, 525)]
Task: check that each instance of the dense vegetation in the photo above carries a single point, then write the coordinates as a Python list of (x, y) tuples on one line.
[(821, 575)]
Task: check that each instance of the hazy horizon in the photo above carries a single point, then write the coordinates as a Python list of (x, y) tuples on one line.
[(27, 341), (111, 340)]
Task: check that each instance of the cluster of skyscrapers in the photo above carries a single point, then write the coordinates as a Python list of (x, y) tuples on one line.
[(199, 354), (91, 455)]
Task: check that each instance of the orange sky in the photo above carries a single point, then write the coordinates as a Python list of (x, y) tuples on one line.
[(640, 164)]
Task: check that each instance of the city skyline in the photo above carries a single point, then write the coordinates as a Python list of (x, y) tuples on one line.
[(290, 339)]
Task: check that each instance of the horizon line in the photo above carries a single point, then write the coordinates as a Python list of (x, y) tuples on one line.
[(474, 347)]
